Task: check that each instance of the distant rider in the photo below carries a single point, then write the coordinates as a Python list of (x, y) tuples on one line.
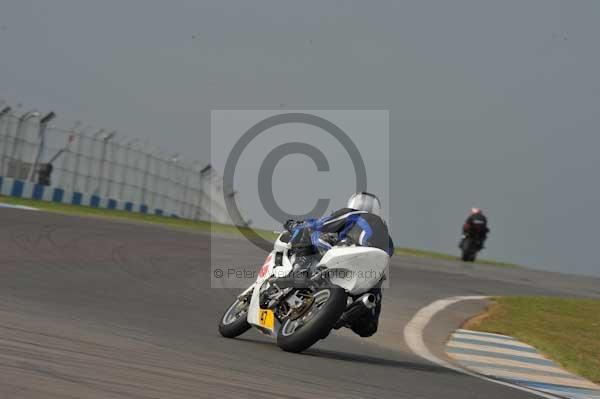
[(475, 226), (360, 223)]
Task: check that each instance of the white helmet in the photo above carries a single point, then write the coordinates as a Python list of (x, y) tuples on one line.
[(365, 202)]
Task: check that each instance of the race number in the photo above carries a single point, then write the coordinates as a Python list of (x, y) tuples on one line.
[(266, 318)]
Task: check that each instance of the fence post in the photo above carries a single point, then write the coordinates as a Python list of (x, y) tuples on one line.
[(66, 153), (147, 156), (42, 140), (77, 154), (205, 176), (5, 120), (186, 190), (78, 151), (109, 171), (129, 147), (93, 172), (19, 141), (101, 173), (174, 167)]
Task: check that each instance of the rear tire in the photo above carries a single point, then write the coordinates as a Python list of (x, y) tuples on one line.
[(235, 320), (465, 256), (318, 327), (468, 254)]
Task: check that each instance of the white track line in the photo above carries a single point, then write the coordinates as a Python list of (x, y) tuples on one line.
[(413, 335), (21, 207), (486, 340), (506, 362), (486, 334), (491, 349)]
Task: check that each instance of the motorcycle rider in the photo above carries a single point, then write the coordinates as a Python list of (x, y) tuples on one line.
[(476, 226), (360, 223)]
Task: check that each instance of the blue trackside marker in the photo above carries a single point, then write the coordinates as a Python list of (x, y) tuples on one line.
[(494, 345), (38, 192), (17, 189), (58, 195), (95, 201), (500, 356), (76, 199), (112, 204)]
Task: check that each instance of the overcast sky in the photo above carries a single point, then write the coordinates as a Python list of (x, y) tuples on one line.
[(492, 103)]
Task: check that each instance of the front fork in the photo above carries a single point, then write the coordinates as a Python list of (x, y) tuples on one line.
[(247, 292)]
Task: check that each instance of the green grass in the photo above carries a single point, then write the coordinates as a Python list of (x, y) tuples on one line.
[(566, 330), (438, 255), (197, 225), (138, 217), (423, 254)]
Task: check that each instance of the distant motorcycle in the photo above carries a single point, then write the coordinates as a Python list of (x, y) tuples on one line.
[(470, 246), (299, 310)]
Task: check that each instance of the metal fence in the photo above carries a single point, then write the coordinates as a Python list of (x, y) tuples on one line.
[(100, 163)]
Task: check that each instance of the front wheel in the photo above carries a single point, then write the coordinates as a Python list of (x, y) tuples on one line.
[(235, 320), (298, 334)]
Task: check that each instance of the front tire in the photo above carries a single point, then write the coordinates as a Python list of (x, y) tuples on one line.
[(323, 315), (235, 319)]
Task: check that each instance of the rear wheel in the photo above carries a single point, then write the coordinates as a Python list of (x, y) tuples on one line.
[(235, 320), (468, 253), (301, 332), (473, 256)]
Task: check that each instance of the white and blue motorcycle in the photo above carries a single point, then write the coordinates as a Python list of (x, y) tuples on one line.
[(299, 309)]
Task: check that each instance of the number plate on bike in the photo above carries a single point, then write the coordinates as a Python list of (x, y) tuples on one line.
[(266, 318)]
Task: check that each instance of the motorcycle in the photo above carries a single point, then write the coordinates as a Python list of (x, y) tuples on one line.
[(299, 309), (470, 246)]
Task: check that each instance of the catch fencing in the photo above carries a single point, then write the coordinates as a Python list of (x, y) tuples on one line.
[(129, 175)]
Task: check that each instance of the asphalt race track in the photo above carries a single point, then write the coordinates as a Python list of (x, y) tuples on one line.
[(91, 308)]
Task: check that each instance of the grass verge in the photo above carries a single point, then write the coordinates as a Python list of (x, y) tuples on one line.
[(566, 330), (139, 217), (196, 225), (438, 255)]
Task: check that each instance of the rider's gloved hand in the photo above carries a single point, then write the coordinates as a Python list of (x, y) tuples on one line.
[(291, 224)]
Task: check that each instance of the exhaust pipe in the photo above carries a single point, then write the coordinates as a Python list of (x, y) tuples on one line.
[(368, 300), (359, 307)]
